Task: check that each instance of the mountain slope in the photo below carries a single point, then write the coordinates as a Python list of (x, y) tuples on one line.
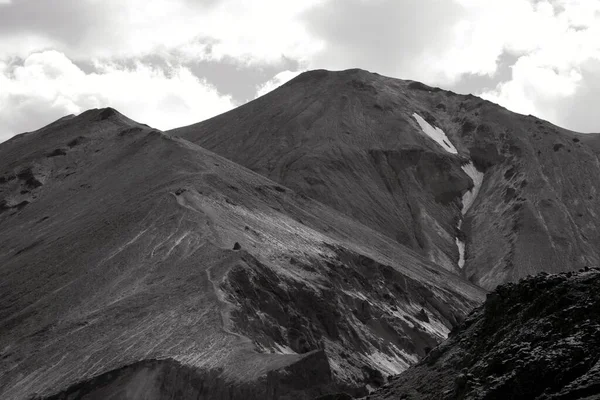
[(368, 146), (138, 264), (538, 339), (346, 140)]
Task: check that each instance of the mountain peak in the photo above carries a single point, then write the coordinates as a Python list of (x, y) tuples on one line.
[(106, 114), (318, 77), (334, 232)]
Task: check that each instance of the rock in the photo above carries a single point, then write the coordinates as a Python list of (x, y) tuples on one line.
[(57, 152), (538, 339)]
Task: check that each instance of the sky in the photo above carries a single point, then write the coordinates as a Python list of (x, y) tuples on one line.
[(170, 63)]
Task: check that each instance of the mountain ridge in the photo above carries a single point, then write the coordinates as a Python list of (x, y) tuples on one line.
[(122, 231)]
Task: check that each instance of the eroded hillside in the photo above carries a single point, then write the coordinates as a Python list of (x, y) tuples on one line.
[(126, 251)]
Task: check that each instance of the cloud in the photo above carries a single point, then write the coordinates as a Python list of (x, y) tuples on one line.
[(530, 55), (48, 85), (250, 32), (167, 46), (555, 75), (535, 87), (433, 40), (387, 36)]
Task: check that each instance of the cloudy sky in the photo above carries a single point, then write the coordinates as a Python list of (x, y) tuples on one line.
[(170, 63)]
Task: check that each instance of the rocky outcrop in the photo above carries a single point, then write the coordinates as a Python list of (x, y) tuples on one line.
[(536, 339)]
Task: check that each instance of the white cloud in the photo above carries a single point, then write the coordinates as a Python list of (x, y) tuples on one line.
[(535, 88), (386, 36), (251, 32), (47, 85), (276, 81), (555, 41), (485, 30), (260, 31), (435, 41)]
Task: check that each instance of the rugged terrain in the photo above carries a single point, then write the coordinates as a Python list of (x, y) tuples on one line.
[(314, 241), (355, 141), (145, 262), (538, 339)]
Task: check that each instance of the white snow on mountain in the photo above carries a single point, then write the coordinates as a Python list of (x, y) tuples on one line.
[(436, 134)]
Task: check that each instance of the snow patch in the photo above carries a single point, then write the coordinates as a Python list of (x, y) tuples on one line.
[(467, 201), (461, 252), (436, 134), (469, 197)]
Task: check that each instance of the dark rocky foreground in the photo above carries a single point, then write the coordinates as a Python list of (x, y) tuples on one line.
[(536, 339)]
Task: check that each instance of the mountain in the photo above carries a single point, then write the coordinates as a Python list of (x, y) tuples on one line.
[(538, 339), (408, 160), (136, 264), (308, 244)]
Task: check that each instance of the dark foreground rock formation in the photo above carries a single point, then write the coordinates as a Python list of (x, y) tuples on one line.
[(537, 339)]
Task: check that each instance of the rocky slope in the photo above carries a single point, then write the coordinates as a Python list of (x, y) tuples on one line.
[(395, 155), (138, 265), (538, 339)]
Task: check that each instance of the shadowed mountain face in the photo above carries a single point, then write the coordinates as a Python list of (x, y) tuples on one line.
[(358, 143), (538, 339), (139, 265)]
